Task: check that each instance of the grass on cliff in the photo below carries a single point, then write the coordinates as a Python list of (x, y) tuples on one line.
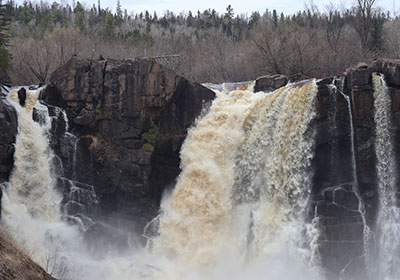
[(100, 115), (150, 138), (15, 264)]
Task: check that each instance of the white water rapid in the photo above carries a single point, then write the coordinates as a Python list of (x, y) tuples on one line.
[(238, 211)]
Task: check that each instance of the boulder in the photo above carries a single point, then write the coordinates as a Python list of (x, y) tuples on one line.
[(270, 82)]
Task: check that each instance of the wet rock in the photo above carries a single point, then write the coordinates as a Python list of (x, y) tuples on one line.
[(22, 96)]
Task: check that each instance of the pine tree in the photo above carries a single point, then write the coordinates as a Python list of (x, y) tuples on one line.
[(376, 34), (4, 36), (229, 12), (119, 10), (275, 18)]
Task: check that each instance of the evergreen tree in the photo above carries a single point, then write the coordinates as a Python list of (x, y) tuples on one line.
[(119, 10), (229, 12), (4, 35), (376, 34), (108, 30), (79, 16), (275, 18)]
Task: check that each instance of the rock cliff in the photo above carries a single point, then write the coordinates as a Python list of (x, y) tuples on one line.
[(130, 118)]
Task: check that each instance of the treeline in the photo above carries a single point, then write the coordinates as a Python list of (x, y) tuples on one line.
[(205, 46)]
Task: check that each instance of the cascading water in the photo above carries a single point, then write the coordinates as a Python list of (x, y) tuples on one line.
[(388, 225), (238, 211), (242, 197)]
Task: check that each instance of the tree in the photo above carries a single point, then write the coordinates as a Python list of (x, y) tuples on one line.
[(363, 20), (376, 40), (229, 12), (275, 18), (118, 9), (79, 16), (108, 30), (4, 36)]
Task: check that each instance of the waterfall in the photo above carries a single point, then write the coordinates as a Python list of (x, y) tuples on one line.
[(388, 221), (31, 180), (239, 209), (242, 196), (31, 205), (337, 87)]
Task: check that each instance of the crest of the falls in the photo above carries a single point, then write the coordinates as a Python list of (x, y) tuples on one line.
[(244, 186), (388, 223)]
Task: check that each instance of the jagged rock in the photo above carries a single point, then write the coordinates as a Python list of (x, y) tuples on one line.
[(270, 82)]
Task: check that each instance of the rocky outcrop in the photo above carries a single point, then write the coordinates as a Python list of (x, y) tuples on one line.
[(127, 121), (270, 82)]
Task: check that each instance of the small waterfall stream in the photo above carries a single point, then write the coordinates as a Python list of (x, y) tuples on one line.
[(388, 223)]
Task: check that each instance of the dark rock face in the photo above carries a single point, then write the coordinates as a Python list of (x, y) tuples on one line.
[(127, 120), (8, 132), (345, 185), (335, 190), (270, 82)]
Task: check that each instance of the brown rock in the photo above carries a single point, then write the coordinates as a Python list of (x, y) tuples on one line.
[(270, 82)]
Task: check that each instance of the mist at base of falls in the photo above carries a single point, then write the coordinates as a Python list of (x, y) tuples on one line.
[(240, 208)]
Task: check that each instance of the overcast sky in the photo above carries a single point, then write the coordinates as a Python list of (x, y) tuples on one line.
[(239, 6)]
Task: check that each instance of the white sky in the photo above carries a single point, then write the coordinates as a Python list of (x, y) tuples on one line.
[(239, 6)]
